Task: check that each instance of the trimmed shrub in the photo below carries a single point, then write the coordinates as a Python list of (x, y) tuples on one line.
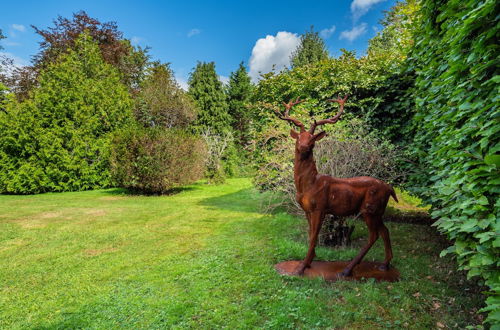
[(155, 160), (458, 135)]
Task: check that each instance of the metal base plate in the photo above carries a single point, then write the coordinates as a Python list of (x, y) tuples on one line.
[(330, 270)]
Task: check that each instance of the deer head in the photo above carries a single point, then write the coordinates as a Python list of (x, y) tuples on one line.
[(305, 140)]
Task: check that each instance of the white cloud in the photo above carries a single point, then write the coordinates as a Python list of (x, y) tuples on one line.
[(182, 81), (18, 62), (361, 7), (19, 27), (272, 52), (224, 80), (326, 33), (193, 32), (135, 40), (354, 33)]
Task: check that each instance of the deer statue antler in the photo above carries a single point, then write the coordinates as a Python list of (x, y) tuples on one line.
[(285, 115), (332, 120)]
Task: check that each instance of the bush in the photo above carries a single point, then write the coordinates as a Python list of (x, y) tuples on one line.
[(155, 160)]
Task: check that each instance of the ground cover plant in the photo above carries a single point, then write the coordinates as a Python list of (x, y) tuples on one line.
[(203, 258)]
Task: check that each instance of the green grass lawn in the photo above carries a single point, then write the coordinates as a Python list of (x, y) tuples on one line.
[(204, 258)]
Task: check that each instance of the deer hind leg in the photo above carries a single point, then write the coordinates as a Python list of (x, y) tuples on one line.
[(384, 233), (315, 222), (372, 224)]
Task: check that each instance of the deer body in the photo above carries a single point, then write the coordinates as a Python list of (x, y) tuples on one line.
[(319, 195)]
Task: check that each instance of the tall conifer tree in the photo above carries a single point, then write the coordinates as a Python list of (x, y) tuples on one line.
[(208, 93), (311, 49), (238, 92)]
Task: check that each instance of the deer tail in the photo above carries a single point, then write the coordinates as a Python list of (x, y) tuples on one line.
[(393, 194)]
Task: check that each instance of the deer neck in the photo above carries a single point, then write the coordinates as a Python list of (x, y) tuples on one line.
[(305, 171)]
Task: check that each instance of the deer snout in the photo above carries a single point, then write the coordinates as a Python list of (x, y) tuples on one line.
[(303, 148)]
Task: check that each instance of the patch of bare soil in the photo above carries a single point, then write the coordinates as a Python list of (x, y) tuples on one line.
[(48, 215), (95, 212), (112, 198), (37, 220)]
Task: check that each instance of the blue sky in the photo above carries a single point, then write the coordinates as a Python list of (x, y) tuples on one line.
[(260, 33)]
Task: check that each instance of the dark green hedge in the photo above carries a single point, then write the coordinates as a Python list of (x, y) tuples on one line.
[(458, 135)]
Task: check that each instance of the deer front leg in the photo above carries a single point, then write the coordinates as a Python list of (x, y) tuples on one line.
[(315, 221)]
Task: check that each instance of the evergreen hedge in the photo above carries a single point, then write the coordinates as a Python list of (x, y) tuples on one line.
[(458, 132)]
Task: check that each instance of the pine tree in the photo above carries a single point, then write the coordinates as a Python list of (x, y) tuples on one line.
[(208, 93), (238, 92), (311, 49), (58, 139)]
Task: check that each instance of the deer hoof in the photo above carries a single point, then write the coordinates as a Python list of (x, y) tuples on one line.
[(345, 273), (299, 271)]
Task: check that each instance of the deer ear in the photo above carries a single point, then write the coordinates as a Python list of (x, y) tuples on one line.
[(319, 136), (294, 134)]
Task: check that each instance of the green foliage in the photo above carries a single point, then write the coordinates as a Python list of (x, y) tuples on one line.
[(207, 91), (311, 49), (365, 80), (239, 91), (389, 50), (392, 44), (458, 132), (133, 65), (58, 140), (155, 160), (161, 102)]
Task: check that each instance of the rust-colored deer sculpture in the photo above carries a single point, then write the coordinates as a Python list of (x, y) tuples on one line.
[(319, 194)]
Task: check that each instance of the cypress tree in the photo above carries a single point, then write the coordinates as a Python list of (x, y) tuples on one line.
[(238, 92), (208, 93), (311, 49)]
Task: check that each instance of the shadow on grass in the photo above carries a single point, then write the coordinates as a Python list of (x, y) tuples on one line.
[(243, 200), (137, 192)]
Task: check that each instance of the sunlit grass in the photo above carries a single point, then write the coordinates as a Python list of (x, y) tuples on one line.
[(203, 258)]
